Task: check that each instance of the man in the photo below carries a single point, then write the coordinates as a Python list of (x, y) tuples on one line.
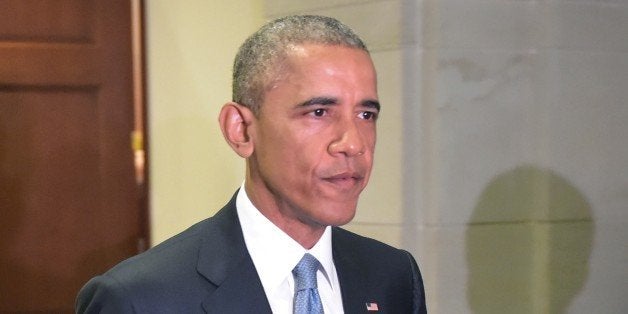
[(303, 116)]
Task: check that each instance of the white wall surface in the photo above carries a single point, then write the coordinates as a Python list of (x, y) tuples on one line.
[(190, 49)]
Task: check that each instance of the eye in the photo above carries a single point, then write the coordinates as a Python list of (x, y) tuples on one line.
[(319, 112), (368, 115)]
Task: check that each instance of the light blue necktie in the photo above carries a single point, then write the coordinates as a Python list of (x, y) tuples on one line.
[(306, 298)]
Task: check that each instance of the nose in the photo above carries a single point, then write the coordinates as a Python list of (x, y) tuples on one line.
[(349, 141)]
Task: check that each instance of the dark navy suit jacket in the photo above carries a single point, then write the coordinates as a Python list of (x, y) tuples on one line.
[(207, 269)]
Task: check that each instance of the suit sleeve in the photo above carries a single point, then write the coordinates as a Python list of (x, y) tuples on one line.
[(419, 306), (103, 294)]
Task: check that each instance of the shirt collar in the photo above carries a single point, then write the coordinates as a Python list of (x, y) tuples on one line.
[(273, 252)]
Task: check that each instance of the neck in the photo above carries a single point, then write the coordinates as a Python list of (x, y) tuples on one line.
[(307, 238), (306, 233)]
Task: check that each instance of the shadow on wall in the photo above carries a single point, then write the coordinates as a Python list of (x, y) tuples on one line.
[(528, 244)]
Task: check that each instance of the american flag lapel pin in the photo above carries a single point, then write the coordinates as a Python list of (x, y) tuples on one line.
[(372, 306)]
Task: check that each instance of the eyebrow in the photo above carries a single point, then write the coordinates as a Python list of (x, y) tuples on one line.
[(318, 101), (326, 101), (372, 104)]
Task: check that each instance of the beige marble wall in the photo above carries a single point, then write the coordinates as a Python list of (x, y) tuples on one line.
[(528, 122)]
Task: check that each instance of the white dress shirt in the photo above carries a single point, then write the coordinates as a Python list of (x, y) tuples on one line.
[(275, 254)]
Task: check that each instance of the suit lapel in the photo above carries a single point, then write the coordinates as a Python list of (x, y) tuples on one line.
[(225, 262), (240, 292), (351, 276)]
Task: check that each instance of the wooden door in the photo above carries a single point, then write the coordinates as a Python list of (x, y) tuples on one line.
[(70, 205)]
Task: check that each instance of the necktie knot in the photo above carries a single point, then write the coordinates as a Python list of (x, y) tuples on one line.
[(306, 297), (305, 273)]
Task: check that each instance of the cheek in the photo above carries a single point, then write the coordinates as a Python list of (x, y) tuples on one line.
[(309, 147), (289, 159), (304, 161)]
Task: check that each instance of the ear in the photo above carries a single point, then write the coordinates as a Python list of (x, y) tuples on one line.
[(235, 121)]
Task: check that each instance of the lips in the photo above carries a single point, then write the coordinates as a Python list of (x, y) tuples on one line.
[(345, 180), (345, 176)]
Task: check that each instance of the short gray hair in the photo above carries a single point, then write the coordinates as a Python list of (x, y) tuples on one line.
[(261, 54)]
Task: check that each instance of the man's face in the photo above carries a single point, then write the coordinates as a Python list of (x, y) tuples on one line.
[(314, 137)]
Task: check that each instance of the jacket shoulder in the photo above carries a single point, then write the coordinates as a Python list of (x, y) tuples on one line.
[(165, 276), (356, 243), (149, 280)]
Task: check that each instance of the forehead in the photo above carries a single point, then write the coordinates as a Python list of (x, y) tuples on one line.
[(313, 56), (322, 64)]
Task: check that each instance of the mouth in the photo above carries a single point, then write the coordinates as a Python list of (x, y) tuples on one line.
[(345, 180)]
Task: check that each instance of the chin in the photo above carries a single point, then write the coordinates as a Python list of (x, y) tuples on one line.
[(340, 217), (342, 222)]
